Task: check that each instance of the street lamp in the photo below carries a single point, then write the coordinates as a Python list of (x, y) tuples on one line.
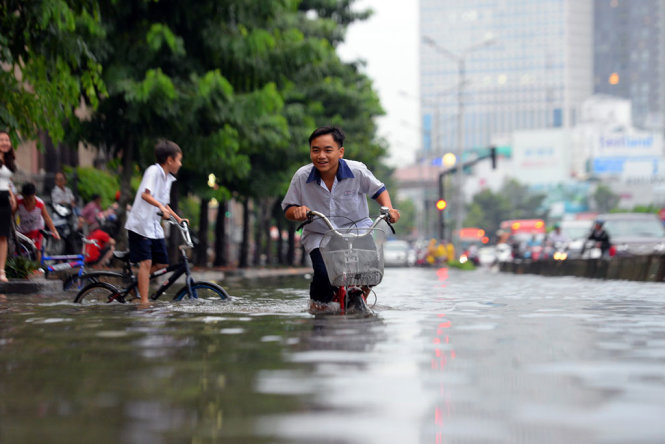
[(460, 59)]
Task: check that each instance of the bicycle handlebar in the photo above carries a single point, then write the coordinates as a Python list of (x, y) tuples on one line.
[(384, 214), (183, 227)]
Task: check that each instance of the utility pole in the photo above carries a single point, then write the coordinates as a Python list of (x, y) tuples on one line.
[(460, 60)]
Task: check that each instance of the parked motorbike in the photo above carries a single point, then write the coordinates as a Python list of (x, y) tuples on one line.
[(66, 222)]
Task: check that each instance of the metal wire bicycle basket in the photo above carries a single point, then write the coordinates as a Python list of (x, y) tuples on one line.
[(354, 256)]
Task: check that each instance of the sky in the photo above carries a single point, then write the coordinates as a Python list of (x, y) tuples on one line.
[(388, 43)]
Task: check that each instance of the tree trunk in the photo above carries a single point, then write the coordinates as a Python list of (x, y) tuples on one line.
[(126, 196), (291, 251), (267, 213), (259, 211), (244, 245), (202, 248), (220, 236), (303, 256), (279, 223)]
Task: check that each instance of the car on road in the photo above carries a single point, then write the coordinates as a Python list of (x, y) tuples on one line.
[(487, 255), (398, 253), (634, 233)]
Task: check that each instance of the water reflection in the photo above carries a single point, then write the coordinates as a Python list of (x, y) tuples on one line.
[(449, 357)]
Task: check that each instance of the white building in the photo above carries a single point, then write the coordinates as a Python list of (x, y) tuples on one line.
[(533, 72)]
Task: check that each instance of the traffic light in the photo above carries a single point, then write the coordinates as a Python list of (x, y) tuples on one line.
[(493, 156), (441, 204)]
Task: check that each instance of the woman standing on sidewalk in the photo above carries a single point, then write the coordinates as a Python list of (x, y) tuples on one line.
[(7, 199)]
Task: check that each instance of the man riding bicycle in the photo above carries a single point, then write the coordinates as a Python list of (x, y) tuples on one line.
[(336, 187)]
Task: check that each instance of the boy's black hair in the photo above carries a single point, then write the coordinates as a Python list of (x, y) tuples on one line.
[(336, 133), (165, 149), (95, 196), (28, 189)]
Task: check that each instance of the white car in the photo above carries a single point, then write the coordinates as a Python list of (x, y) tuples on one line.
[(397, 253), (487, 255)]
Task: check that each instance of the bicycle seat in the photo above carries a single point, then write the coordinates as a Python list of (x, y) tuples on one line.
[(121, 255)]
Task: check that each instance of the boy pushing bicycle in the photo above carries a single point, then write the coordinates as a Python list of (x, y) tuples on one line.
[(333, 186), (147, 246)]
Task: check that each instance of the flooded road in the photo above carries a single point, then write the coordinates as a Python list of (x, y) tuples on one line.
[(450, 357)]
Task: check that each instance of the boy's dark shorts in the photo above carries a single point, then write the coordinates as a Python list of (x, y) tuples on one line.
[(143, 248)]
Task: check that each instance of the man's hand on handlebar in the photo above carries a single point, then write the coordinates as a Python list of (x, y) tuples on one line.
[(394, 215), (299, 213)]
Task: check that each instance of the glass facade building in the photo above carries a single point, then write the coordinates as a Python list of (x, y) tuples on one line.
[(527, 64), (629, 56)]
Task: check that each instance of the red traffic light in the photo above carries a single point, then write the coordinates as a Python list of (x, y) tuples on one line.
[(441, 204)]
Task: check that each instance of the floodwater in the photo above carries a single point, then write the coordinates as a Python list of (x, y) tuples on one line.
[(449, 357)]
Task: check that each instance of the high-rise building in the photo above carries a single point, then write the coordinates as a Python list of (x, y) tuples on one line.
[(629, 56), (521, 64)]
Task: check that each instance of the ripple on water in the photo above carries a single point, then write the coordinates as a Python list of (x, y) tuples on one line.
[(232, 331), (47, 320)]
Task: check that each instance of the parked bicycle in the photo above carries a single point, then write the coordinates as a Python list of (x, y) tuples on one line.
[(24, 246), (103, 292), (354, 260), (51, 263)]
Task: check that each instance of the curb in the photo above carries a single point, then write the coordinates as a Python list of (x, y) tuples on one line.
[(250, 273), (25, 286), (41, 285)]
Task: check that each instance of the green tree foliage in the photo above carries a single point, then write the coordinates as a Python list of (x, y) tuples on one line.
[(93, 181), (407, 220), (46, 64), (512, 201), (604, 199), (238, 85)]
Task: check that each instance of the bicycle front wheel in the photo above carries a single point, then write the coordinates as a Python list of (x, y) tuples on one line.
[(25, 250), (202, 290), (98, 293)]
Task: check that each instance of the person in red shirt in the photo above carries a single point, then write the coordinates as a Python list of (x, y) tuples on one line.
[(99, 255)]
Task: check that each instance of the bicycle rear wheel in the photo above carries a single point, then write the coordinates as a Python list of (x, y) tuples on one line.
[(202, 290), (98, 293), (118, 280)]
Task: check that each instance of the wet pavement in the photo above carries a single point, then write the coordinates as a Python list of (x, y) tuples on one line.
[(449, 357)]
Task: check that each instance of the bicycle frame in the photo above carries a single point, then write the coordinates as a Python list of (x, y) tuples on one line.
[(176, 270)]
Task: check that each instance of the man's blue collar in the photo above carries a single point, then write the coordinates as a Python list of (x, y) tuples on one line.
[(343, 172)]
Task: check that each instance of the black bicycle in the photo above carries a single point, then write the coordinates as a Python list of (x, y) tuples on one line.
[(103, 292)]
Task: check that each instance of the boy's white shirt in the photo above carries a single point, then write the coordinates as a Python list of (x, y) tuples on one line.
[(143, 218)]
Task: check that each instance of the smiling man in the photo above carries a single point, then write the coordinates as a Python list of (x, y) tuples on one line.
[(335, 187)]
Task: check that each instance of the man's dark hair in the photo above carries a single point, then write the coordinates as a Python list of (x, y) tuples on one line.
[(337, 134), (28, 189), (95, 197), (165, 149)]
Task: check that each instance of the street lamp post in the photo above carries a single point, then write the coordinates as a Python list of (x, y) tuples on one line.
[(460, 60), (434, 132)]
